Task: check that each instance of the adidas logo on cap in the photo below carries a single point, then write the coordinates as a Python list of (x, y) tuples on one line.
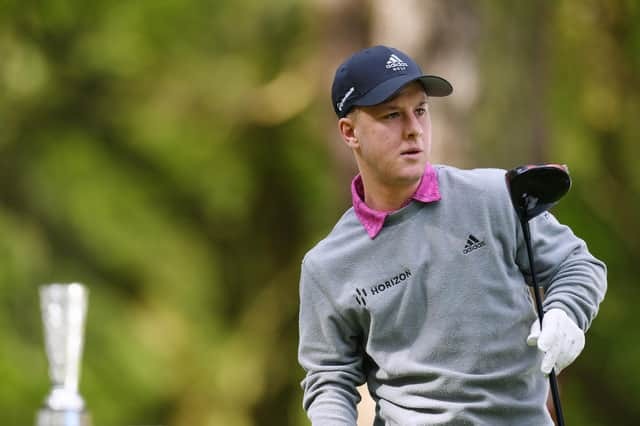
[(396, 64)]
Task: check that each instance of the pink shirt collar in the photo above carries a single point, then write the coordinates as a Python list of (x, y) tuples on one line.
[(373, 220)]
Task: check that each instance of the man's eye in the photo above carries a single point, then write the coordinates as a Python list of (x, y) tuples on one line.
[(392, 115), (421, 111)]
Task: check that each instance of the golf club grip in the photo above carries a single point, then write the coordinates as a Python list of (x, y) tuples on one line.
[(537, 292)]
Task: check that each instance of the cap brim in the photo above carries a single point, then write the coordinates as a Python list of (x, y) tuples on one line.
[(436, 86), (433, 86)]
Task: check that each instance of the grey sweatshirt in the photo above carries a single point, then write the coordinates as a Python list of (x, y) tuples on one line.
[(433, 313)]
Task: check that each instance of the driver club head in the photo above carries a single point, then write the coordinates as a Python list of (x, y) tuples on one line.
[(534, 189)]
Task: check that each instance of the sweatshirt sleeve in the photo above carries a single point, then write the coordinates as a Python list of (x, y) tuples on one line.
[(329, 351), (573, 279)]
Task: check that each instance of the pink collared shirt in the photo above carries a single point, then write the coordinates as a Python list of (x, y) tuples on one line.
[(373, 220)]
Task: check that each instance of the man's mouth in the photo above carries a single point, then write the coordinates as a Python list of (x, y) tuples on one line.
[(412, 151)]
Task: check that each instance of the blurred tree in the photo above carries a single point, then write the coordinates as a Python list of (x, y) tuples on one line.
[(159, 153)]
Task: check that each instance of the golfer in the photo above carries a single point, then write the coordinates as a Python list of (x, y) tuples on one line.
[(421, 288)]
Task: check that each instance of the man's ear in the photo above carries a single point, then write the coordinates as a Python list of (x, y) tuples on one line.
[(347, 128)]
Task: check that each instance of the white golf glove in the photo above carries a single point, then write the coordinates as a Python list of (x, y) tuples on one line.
[(561, 340)]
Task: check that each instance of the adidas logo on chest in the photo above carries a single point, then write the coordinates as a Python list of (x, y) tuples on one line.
[(472, 244)]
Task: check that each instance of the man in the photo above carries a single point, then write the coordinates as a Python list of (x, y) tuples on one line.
[(420, 290)]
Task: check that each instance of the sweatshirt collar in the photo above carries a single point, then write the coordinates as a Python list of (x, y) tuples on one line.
[(373, 220)]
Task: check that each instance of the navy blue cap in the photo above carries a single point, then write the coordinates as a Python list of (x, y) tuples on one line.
[(373, 75)]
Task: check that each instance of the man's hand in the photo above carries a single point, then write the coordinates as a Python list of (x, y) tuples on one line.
[(561, 340)]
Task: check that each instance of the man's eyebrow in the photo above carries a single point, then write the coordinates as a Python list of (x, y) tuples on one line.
[(389, 105)]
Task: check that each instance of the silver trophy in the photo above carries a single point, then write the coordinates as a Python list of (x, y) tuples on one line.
[(64, 310)]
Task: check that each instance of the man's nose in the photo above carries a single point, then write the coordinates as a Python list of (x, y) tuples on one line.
[(413, 127)]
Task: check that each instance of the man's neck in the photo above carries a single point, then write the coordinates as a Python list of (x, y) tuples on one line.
[(388, 197)]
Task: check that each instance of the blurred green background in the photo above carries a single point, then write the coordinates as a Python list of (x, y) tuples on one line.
[(179, 158)]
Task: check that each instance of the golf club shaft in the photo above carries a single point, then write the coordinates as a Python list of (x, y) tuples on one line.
[(553, 381)]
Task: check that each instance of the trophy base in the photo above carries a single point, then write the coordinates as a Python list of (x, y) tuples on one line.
[(48, 417)]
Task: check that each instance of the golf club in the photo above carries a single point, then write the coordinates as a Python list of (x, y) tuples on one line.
[(534, 189)]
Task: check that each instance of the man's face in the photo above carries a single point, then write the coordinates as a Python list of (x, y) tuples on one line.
[(393, 139)]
